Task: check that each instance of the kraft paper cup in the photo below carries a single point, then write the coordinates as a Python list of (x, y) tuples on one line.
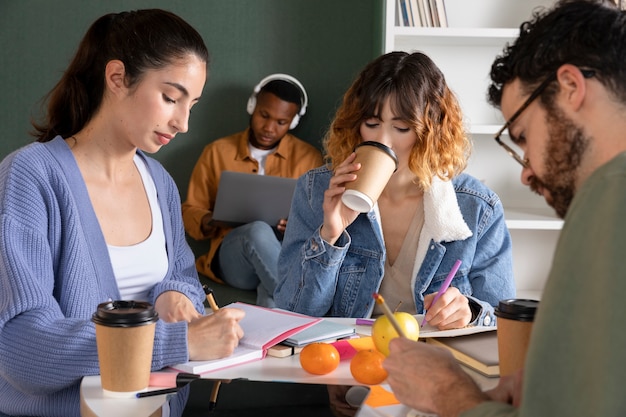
[(125, 339), (378, 163), (515, 320)]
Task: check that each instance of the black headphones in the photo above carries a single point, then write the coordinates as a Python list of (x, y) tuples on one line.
[(284, 77)]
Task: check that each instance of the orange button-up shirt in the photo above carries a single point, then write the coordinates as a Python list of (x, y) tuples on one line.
[(292, 158)]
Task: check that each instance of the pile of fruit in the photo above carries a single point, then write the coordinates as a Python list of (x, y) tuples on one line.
[(366, 355)]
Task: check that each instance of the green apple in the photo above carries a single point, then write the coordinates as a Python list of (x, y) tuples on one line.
[(383, 331)]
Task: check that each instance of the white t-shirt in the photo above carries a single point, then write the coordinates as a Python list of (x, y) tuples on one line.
[(261, 156)]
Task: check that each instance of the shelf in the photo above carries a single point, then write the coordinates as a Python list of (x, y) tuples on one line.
[(485, 129), (532, 219), (460, 36)]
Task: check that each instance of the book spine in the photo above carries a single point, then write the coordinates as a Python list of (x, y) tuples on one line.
[(282, 351), (405, 13), (441, 12)]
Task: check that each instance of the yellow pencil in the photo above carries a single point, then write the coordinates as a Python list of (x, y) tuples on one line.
[(381, 302), (210, 298), (216, 385)]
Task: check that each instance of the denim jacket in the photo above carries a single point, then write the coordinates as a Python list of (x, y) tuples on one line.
[(463, 219)]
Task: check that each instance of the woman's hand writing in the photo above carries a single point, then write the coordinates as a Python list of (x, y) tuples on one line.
[(216, 335), (451, 311)]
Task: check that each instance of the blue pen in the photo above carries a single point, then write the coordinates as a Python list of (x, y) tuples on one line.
[(445, 285)]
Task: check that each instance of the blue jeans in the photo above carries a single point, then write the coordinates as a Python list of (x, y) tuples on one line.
[(248, 258)]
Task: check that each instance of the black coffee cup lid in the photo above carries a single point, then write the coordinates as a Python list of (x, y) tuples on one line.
[(382, 147), (125, 313), (517, 309)]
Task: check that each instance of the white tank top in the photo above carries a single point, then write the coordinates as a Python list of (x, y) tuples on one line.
[(139, 267)]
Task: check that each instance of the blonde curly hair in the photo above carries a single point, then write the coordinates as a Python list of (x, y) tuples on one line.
[(418, 94)]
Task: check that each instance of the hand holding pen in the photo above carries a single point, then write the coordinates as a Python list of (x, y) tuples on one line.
[(215, 335), (165, 379), (443, 288)]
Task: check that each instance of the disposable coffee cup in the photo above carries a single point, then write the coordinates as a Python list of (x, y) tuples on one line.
[(515, 320), (378, 163), (125, 339)]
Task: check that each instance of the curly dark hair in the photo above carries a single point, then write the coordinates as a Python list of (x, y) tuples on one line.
[(590, 34)]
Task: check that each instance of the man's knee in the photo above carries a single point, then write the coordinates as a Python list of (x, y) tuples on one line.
[(259, 231)]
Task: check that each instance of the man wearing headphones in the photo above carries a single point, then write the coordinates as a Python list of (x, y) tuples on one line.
[(246, 257)]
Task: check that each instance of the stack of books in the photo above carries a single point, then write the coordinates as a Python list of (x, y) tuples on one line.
[(478, 351), (421, 13)]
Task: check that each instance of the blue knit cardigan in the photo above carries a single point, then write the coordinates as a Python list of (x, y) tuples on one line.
[(55, 269)]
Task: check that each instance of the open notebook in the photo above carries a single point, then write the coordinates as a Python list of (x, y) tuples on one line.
[(263, 328), (244, 198)]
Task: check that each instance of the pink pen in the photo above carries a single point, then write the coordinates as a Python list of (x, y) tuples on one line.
[(444, 285)]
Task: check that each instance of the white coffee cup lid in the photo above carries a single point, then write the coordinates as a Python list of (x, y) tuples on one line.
[(357, 201)]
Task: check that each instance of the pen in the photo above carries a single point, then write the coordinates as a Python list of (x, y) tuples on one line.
[(156, 392), (364, 322), (444, 285), (381, 302), (216, 385), (167, 379), (210, 298)]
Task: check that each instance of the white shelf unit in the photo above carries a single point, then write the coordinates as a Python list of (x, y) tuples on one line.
[(477, 32)]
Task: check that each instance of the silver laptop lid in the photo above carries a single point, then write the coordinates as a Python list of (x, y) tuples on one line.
[(244, 198)]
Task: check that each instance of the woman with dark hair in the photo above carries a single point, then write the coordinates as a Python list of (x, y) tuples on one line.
[(86, 216), (429, 215)]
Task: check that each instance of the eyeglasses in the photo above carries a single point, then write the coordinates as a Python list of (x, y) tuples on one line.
[(524, 162)]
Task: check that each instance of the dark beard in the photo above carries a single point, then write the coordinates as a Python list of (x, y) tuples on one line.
[(564, 152)]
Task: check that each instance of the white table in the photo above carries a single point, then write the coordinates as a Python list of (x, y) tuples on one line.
[(94, 403)]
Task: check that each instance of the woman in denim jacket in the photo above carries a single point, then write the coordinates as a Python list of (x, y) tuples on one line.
[(428, 216)]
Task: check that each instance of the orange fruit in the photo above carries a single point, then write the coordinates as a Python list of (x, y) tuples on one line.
[(319, 358), (367, 367)]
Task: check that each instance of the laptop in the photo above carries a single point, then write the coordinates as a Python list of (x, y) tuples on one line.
[(244, 198)]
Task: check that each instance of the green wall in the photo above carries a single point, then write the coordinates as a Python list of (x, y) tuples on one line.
[(323, 43)]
